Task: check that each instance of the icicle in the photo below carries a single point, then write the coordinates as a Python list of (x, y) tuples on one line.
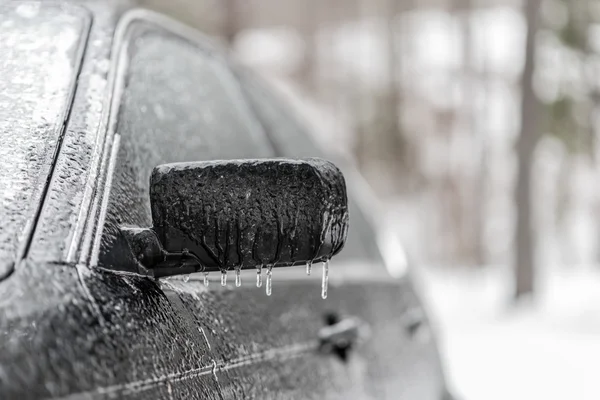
[(269, 279), (258, 275), (206, 279), (325, 280), (308, 267), (224, 277), (238, 278), (186, 278)]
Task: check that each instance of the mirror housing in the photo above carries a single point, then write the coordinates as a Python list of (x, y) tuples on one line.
[(241, 214)]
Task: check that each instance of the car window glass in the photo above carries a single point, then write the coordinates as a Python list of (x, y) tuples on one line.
[(291, 139), (179, 103)]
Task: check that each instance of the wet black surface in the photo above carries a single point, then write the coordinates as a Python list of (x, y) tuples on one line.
[(248, 213), (69, 329), (66, 329), (39, 58), (77, 176)]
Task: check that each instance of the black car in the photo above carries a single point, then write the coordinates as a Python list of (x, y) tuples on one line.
[(94, 97)]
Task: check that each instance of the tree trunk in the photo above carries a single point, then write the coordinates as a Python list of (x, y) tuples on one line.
[(524, 262), (474, 186), (399, 145), (231, 20), (394, 66), (309, 28)]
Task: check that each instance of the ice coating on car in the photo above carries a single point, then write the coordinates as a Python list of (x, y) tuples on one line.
[(73, 330), (40, 52)]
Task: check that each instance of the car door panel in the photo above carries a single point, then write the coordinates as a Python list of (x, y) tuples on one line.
[(133, 339), (268, 346), (68, 332)]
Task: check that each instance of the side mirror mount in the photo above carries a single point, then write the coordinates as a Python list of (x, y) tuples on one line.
[(240, 214)]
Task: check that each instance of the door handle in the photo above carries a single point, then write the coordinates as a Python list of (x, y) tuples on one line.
[(340, 336)]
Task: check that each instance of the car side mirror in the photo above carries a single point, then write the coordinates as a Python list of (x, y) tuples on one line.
[(241, 214)]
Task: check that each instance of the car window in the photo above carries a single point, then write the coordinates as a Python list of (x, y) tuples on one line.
[(179, 102), (291, 139)]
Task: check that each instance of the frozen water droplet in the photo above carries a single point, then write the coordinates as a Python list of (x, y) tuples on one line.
[(269, 279), (238, 278), (259, 276), (308, 267), (325, 280), (186, 278), (224, 278), (206, 279)]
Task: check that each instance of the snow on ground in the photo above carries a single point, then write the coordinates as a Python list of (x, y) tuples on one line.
[(546, 349)]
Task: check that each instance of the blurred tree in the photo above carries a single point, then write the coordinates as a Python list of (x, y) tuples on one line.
[(473, 197), (382, 143), (571, 115), (394, 64), (524, 262), (232, 19), (309, 28), (563, 114)]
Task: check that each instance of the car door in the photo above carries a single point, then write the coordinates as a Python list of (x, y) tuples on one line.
[(177, 100)]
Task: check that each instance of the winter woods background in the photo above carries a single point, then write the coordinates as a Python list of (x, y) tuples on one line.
[(476, 123)]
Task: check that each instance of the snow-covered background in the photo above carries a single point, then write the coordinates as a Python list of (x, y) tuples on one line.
[(547, 348)]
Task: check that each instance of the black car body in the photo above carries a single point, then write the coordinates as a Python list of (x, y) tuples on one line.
[(92, 97)]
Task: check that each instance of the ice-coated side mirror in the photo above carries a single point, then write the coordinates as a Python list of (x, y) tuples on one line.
[(241, 214)]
